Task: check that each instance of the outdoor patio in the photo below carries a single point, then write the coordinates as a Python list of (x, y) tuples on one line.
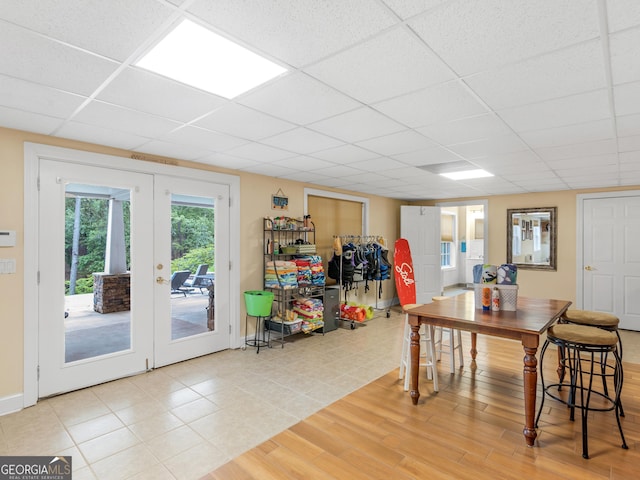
[(89, 333)]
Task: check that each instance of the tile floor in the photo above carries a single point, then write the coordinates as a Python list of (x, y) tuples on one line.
[(185, 420)]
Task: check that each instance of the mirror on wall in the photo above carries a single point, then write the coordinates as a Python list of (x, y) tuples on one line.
[(531, 238)]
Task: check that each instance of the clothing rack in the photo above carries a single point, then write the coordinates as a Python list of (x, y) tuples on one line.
[(367, 255)]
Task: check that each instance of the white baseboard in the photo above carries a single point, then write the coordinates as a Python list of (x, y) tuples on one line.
[(11, 403)]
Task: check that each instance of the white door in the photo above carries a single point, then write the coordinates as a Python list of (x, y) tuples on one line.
[(421, 227), (611, 258), (192, 319), (120, 339)]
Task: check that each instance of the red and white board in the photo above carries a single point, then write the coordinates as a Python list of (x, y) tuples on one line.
[(403, 272)]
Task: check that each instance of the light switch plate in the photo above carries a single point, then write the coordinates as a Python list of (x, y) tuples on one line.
[(7, 238)]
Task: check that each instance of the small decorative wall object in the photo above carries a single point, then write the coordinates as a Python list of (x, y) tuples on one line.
[(279, 201)]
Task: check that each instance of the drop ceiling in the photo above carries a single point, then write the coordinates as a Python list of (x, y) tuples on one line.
[(544, 94)]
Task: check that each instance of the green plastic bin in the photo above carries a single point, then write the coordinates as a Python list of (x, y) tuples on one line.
[(258, 303)]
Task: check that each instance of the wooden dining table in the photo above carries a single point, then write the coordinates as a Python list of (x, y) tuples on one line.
[(531, 319)]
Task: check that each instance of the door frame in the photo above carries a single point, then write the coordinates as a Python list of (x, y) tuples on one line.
[(33, 152), (580, 199)]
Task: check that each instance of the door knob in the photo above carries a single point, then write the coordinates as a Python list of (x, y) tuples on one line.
[(588, 268), (160, 281)]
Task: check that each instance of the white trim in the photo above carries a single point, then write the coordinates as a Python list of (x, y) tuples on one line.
[(340, 196), (11, 403), (580, 198), (33, 152)]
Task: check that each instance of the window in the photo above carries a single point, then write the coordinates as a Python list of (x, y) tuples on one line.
[(447, 238), (445, 254)]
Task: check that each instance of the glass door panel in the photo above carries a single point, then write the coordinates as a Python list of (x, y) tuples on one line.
[(192, 269), (97, 289), (192, 264), (95, 275)]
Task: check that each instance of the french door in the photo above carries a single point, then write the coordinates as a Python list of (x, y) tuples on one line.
[(126, 317), (192, 318)]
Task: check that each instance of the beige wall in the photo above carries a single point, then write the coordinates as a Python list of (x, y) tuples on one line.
[(560, 284), (255, 198)]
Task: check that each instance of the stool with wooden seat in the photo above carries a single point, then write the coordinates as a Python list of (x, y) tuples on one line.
[(603, 320), (455, 342), (427, 357), (581, 344)]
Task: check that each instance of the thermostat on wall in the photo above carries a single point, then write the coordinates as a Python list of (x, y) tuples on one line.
[(7, 238)]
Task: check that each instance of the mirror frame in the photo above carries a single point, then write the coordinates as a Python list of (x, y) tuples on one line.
[(552, 237)]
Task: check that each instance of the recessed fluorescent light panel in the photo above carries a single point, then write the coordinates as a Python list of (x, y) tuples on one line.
[(196, 56), (467, 174)]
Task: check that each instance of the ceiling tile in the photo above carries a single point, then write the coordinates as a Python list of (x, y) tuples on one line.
[(357, 125), (302, 140), (489, 146), (627, 144), (174, 150), (578, 163), (472, 36), (244, 122), (566, 72), (628, 125), (622, 14), (269, 169), (33, 58), (333, 182), (341, 171), (570, 110), (466, 129), (305, 177), (106, 115), (345, 154), (296, 32), (630, 161), (378, 165), (397, 143), (428, 156), (35, 98), (200, 137), (578, 150), (100, 135), (259, 152), (113, 29), (299, 99), (623, 46), (442, 103), (373, 70), (29, 122), (408, 8), (144, 91), (567, 135), (627, 97), (227, 161), (304, 163)]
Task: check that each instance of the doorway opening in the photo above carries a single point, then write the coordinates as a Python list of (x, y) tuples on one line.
[(469, 241)]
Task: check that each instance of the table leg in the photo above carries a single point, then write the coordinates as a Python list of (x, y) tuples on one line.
[(415, 363), (474, 351), (530, 390)]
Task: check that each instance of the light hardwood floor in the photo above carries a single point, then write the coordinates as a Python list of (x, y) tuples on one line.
[(470, 429)]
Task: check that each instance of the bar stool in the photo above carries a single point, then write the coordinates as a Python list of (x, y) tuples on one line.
[(580, 344), (455, 342), (426, 357), (603, 320)]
